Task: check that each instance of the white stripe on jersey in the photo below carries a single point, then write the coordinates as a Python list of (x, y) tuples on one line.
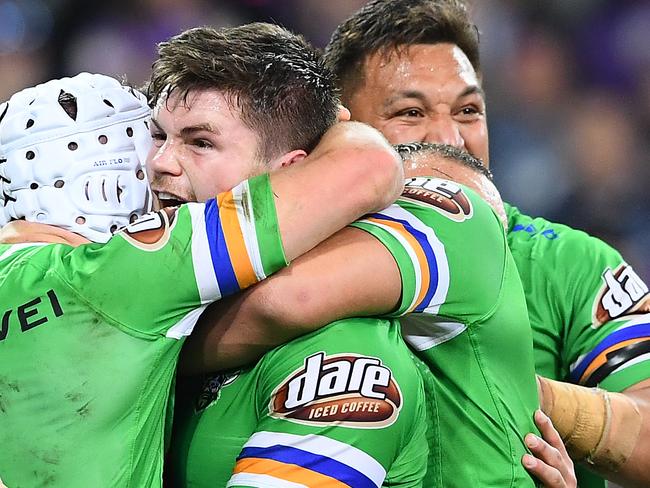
[(423, 332), (244, 205), (186, 325), (323, 446), (18, 247), (261, 481), (440, 294), (632, 320), (414, 261), (206, 279), (631, 362)]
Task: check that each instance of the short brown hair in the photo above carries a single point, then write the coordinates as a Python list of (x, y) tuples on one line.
[(383, 25), (278, 81)]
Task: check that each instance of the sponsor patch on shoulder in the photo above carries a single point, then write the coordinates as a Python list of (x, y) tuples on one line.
[(444, 196), (623, 293), (151, 231), (346, 389)]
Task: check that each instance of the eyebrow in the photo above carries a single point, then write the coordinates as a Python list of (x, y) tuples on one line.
[(419, 95), (188, 131), (205, 127)]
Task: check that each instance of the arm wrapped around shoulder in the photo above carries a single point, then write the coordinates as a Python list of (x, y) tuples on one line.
[(597, 426)]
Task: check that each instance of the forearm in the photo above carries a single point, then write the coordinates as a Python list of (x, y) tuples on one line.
[(635, 472), (230, 333), (607, 432), (353, 171), (351, 274)]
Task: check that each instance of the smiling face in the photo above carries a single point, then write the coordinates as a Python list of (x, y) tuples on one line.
[(201, 147), (423, 93)]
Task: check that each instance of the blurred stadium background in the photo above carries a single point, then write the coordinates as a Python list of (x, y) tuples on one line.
[(567, 82)]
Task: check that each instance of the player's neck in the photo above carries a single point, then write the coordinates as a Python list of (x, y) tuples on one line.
[(20, 231)]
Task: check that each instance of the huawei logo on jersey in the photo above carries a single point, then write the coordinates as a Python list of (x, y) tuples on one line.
[(622, 293), (446, 197), (346, 389)]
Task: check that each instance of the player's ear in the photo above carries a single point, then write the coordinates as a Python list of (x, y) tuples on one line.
[(343, 114), (288, 159)]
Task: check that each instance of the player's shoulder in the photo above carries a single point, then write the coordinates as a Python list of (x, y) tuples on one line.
[(538, 238)]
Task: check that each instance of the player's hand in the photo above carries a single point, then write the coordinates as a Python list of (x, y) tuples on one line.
[(550, 462)]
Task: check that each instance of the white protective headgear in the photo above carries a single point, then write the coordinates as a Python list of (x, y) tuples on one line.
[(82, 171)]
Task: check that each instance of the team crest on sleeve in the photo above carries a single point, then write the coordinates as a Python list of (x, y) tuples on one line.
[(445, 196), (623, 292), (151, 231), (346, 389)]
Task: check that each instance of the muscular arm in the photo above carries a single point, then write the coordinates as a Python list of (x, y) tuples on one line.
[(352, 171), (350, 274)]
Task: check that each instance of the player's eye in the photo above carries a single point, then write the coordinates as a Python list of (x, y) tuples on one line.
[(470, 112), (202, 143), (158, 138), (409, 112)]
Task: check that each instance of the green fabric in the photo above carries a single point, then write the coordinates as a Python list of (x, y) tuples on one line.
[(88, 348), (563, 272), (480, 387), (208, 441), (481, 383)]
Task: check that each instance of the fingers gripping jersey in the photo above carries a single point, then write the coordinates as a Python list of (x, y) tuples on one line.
[(343, 406), (89, 336), (588, 308), (469, 326)]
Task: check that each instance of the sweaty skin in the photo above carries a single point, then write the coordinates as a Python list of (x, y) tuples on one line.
[(431, 93), (423, 93)]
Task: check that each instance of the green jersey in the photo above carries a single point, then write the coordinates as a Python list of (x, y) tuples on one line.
[(470, 329), (90, 336), (342, 406), (585, 305), (469, 326)]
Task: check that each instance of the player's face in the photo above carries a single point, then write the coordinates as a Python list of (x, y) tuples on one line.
[(200, 148), (425, 93)]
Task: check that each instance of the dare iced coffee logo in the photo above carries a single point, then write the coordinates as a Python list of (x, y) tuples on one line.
[(446, 197), (346, 389), (623, 292)]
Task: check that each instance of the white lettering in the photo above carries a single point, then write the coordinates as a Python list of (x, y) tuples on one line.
[(615, 300), (302, 389), (375, 376)]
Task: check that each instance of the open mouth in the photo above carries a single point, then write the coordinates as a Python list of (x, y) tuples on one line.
[(169, 200)]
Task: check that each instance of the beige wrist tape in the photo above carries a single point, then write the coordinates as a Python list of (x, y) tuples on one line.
[(597, 426)]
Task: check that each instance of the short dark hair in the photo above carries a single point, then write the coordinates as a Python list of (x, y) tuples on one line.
[(385, 25), (277, 80), (415, 150)]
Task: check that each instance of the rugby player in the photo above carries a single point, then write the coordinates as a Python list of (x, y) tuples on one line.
[(411, 69), (416, 256), (93, 323)]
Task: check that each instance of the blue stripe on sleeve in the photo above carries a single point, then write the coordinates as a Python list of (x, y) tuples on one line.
[(423, 240), (320, 464), (633, 332), (219, 251)]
